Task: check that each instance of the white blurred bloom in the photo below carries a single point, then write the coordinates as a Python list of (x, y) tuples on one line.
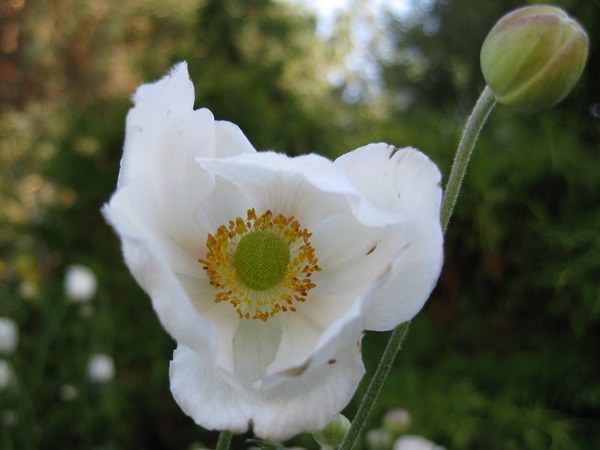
[(101, 368), (9, 335), (396, 420), (316, 251), (410, 442), (379, 439), (6, 374), (80, 283)]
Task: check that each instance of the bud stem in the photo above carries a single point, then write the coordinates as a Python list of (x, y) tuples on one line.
[(387, 360), (480, 113), (224, 440)]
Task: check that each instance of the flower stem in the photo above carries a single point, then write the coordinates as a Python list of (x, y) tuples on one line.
[(482, 109), (224, 440), (387, 360)]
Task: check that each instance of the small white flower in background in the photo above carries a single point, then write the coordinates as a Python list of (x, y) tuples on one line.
[(266, 269), (379, 439), (9, 335), (396, 421), (80, 283), (101, 368), (7, 376), (410, 442)]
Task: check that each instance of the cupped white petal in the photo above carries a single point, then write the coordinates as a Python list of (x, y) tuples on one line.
[(308, 187), (171, 303), (254, 346), (303, 403), (223, 317), (401, 180), (313, 337), (352, 254), (226, 203), (230, 140), (163, 130), (405, 181), (135, 209)]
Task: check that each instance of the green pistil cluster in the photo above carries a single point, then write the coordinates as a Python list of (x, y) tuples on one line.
[(261, 259)]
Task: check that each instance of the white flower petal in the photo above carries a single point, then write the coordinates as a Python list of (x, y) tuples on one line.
[(134, 210), (273, 183), (163, 132), (400, 180), (405, 181), (223, 317), (254, 346), (172, 305), (226, 203), (308, 187), (301, 404), (352, 255), (230, 140)]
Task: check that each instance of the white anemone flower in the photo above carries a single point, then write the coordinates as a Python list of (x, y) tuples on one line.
[(101, 368), (80, 283), (266, 269)]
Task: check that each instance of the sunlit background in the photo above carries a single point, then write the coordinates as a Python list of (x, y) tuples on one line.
[(505, 355)]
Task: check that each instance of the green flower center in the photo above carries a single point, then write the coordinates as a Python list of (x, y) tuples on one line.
[(261, 259)]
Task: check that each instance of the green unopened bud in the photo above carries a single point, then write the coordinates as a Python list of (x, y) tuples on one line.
[(334, 433), (533, 57)]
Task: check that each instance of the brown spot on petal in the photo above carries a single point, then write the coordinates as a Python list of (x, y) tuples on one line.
[(296, 371), (372, 250), (394, 150), (332, 361)]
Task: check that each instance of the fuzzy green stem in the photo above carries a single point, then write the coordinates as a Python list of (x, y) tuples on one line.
[(482, 109), (387, 360), (224, 440)]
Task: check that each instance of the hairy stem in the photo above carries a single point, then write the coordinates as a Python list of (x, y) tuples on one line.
[(387, 360), (480, 113)]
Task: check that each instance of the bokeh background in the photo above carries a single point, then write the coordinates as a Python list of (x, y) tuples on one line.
[(505, 355)]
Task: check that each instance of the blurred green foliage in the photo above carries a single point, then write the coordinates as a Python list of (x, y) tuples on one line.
[(505, 354)]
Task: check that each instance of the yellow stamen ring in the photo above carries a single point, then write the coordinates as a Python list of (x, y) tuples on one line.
[(260, 265)]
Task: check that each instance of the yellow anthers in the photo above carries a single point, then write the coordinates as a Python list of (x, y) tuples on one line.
[(270, 271)]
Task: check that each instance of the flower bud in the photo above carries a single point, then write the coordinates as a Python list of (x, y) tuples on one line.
[(533, 57), (334, 433)]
